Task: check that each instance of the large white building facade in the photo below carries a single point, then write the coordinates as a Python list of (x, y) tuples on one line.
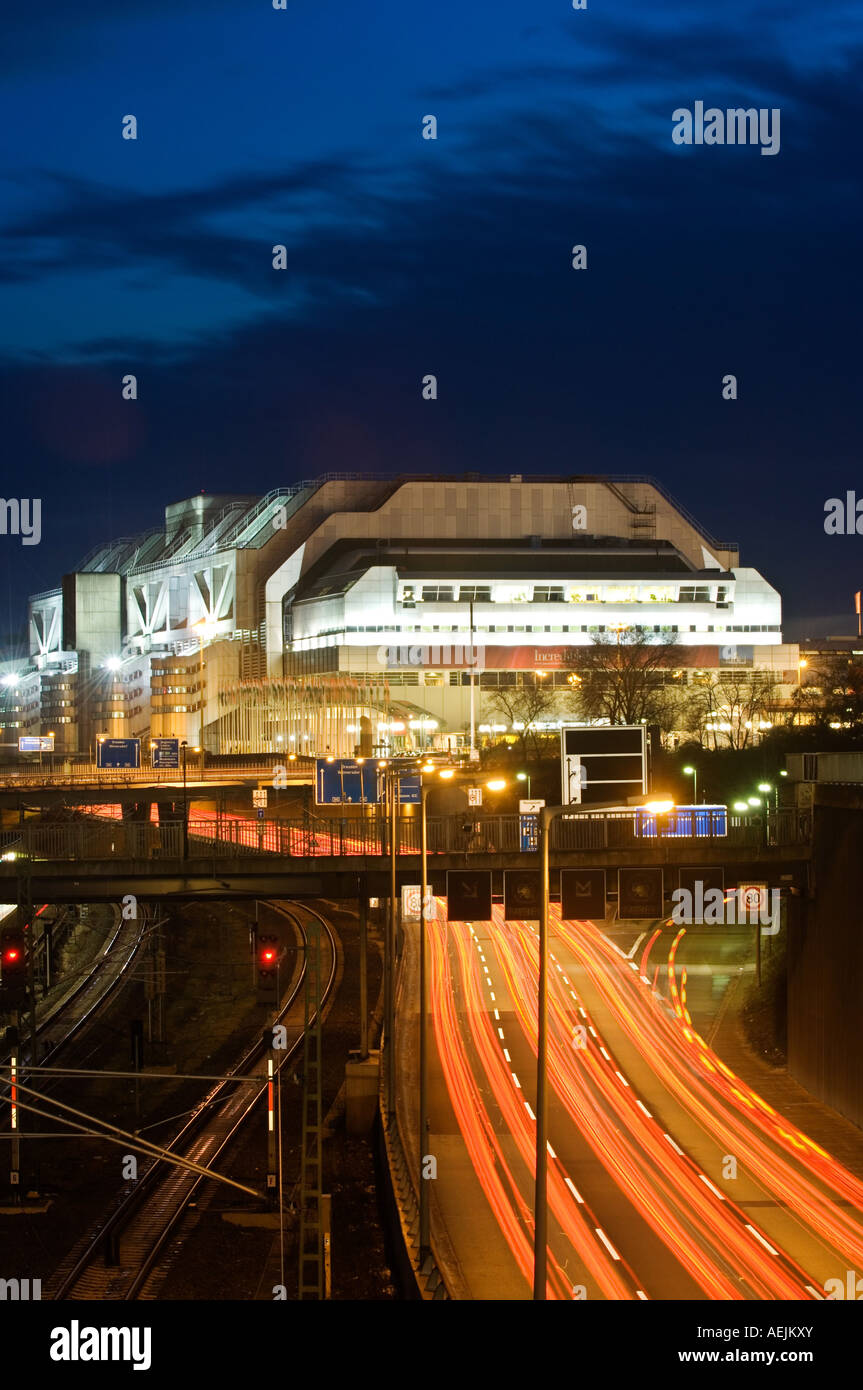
[(359, 611)]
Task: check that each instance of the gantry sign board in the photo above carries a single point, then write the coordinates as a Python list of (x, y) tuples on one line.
[(118, 752), (602, 763), (346, 782)]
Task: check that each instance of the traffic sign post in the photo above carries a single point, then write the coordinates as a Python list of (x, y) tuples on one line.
[(639, 893), (36, 743), (582, 895), (165, 752), (528, 825), (522, 894), (468, 895)]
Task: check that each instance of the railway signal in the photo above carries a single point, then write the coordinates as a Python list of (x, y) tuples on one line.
[(13, 967), (268, 953)]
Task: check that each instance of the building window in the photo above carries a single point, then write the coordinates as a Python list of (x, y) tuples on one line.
[(437, 593), (473, 593), (547, 593)]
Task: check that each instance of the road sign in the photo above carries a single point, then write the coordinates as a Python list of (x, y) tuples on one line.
[(260, 812), (752, 902), (347, 782), (474, 796), (582, 894), (528, 824), (259, 797), (165, 752), (522, 894), (36, 743), (408, 785), (118, 752), (639, 893), (710, 879), (412, 896), (468, 895), (603, 762)]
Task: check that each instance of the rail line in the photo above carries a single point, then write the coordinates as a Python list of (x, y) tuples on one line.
[(137, 1231)]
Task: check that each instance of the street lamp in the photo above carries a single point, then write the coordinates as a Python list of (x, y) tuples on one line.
[(693, 773), (524, 777), (767, 788), (754, 800), (741, 806)]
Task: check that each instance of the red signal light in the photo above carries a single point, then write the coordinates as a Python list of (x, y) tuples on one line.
[(268, 954), (11, 955)]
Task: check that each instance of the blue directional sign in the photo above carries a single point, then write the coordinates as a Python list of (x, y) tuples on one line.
[(118, 752), (165, 752), (528, 830), (36, 743), (409, 788), (344, 781)]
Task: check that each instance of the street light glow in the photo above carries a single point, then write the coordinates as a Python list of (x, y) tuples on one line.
[(497, 784), (765, 786), (659, 806), (741, 806)]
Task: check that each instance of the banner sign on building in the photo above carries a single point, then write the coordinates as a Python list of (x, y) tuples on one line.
[(468, 895), (603, 763), (582, 895), (118, 752), (165, 752)]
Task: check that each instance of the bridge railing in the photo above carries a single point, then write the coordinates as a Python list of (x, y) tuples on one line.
[(221, 837)]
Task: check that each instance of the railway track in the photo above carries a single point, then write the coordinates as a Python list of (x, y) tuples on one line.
[(70, 1016), (136, 1234)]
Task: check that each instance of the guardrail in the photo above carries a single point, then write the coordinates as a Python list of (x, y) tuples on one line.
[(229, 836), (91, 776)]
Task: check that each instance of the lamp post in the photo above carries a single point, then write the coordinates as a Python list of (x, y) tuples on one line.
[(524, 777), (693, 773), (183, 747)]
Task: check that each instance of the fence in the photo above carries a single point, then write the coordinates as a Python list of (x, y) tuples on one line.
[(231, 836)]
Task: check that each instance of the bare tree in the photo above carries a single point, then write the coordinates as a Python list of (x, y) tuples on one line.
[(525, 706), (727, 713), (625, 676)]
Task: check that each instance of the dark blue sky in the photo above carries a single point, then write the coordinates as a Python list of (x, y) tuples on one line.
[(407, 256)]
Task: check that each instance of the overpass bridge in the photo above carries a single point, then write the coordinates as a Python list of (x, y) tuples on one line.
[(220, 856)]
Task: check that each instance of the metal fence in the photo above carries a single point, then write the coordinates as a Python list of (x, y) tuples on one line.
[(222, 837)]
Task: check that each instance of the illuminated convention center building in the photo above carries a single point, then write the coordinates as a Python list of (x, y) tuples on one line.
[(378, 614)]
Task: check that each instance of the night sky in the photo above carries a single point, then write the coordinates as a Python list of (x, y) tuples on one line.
[(406, 257)]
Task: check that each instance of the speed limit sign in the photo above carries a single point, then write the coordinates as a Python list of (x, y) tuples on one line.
[(752, 899)]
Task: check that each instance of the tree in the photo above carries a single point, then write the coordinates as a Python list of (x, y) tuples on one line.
[(624, 676), (727, 713), (523, 707)]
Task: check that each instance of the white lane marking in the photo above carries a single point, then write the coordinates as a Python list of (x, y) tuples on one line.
[(492, 994), (565, 980), (632, 965), (500, 1032), (622, 1077), (637, 943), (604, 1053), (574, 1190), (644, 979), (552, 1154), (581, 1010), (529, 1111), (673, 1145), (506, 1055), (497, 1015), (645, 1109), (715, 1190), (607, 1243), (639, 1294), (757, 1236), (516, 1080), (591, 1030)]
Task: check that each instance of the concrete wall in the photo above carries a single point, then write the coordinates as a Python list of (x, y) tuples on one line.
[(825, 960)]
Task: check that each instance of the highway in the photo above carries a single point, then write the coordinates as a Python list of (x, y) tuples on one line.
[(669, 1177)]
